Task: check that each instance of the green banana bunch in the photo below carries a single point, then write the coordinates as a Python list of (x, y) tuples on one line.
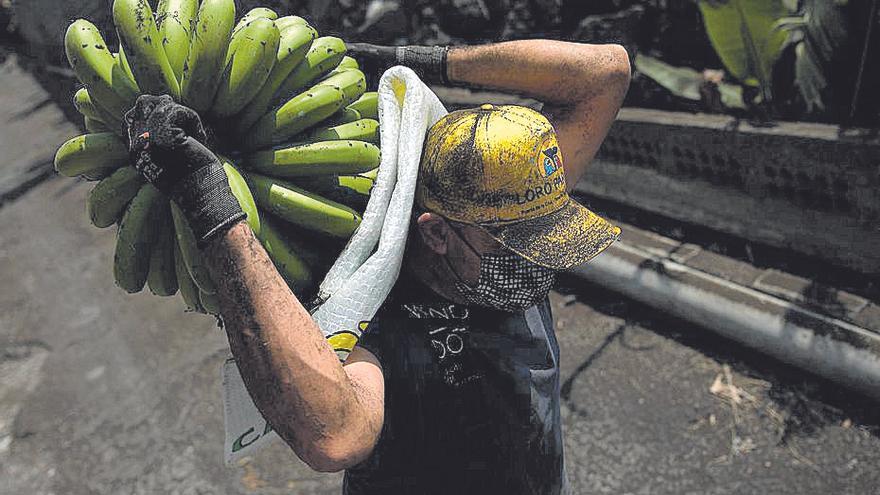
[(94, 126), (122, 60), (359, 130), (137, 232), (192, 257), (289, 106), (289, 21), (242, 193), (255, 13), (207, 53), (344, 157), (343, 116), (97, 69), (302, 112), (90, 153), (251, 58), (350, 81), (139, 35), (347, 63), (83, 103), (291, 265), (294, 43), (161, 277), (175, 18), (367, 105), (350, 190), (189, 291), (300, 207), (323, 56), (109, 198)]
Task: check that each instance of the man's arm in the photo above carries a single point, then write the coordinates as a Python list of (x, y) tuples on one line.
[(581, 85), (329, 414)]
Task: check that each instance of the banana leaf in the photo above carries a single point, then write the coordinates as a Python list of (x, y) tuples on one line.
[(685, 82), (823, 47), (743, 34)]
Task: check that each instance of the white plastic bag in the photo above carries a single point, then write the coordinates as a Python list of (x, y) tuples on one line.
[(363, 275)]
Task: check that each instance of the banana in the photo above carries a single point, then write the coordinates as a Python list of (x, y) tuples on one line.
[(290, 265), (83, 103), (300, 113), (252, 15), (248, 68), (210, 303), (108, 199), (189, 291), (343, 116), (347, 63), (190, 252), (303, 208), (94, 65), (94, 126), (322, 158), (88, 153), (292, 48), (135, 239), (241, 192), (207, 52), (162, 279), (359, 130), (290, 21), (82, 100), (350, 190), (324, 55), (255, 13), (350, 81), (139, 35), (317, 251), (175, 19), (122, 60), (372, 174), (361, 183), (367, 105), (99, 175)]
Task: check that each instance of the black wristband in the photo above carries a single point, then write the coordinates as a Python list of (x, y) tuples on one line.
[(207, 202), (429, 62)]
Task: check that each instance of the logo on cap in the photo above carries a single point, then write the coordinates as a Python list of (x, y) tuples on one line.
[(552, 161)]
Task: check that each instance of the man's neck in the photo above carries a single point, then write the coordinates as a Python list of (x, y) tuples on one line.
[(426, 267)]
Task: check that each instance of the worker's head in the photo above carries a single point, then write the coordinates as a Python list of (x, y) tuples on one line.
[(495, 221)]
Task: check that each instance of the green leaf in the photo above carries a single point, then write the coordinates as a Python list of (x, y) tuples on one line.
[(685, 82), (744, 34), (825, 38)]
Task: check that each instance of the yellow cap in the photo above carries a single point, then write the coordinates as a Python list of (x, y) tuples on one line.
[(500, 168)]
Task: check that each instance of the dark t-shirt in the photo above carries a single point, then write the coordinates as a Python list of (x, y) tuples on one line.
[(471, 400)]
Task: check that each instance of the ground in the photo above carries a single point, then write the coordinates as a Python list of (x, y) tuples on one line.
[(103, 392)]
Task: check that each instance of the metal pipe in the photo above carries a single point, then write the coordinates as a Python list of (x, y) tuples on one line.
[(829, 347)]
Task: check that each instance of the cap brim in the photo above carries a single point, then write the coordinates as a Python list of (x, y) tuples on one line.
[(560, 240)]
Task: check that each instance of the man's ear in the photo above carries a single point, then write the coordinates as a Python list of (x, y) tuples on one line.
[(434, 232)]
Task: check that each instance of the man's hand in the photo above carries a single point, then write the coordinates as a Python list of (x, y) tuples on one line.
[(165, 147), (581, 85), (429, 62)]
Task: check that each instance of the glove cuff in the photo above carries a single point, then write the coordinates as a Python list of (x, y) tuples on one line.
[(429, 62), (207, 202)]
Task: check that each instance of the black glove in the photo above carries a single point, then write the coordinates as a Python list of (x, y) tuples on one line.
[(429, 62), (165, 147)]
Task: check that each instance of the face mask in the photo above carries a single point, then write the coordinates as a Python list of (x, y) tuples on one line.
[(507, 282)]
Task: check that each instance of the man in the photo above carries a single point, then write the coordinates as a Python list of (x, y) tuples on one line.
[(454, 387)]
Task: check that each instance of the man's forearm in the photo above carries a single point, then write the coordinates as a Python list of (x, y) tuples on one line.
[(294, 376), (554, 72)]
